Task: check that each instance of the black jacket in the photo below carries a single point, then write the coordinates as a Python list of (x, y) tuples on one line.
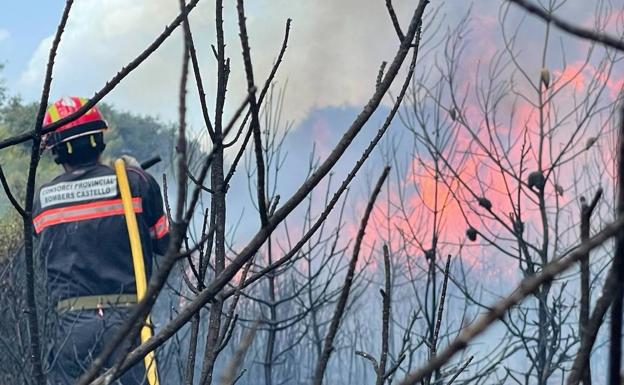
[(82, 231)]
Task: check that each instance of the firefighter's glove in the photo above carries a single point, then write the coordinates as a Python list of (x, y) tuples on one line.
[(131, 161)]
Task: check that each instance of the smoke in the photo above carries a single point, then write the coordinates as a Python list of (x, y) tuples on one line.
[(333, 57)]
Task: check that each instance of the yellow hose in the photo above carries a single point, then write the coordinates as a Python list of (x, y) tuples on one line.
[(137, 261)]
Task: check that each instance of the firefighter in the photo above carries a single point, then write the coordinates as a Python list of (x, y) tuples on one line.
[(83, 240)]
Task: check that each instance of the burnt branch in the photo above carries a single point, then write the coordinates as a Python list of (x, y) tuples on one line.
[(587, 34), (436, 332), (31, 303), (586, 213), (328, 344), (385, 319), (370, 358), (255, 120), (395, 20), (615, 349), (460, 370), (201, 94), (265, 89), (581, 362), (268, 81), (9, 194)]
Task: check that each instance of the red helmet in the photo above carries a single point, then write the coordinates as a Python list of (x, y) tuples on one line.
[(89, 123)]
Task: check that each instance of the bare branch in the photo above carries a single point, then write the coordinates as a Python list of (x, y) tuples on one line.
[(581, 361), (181, 145), (328, 344), (615, 350), (255, 121), (7, 190), (460, 370), (367, 356), (265, 89), (436, 332), (583, 33), (31, 303), (201, 94), (586, 213), (395, 20), (385, 319)]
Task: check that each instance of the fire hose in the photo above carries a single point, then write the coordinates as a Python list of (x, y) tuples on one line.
[(137, 261)]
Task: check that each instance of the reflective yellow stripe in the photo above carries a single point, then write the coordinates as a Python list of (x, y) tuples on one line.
[(54, 113)]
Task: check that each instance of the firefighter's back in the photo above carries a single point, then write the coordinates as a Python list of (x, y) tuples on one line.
[(83, 235)]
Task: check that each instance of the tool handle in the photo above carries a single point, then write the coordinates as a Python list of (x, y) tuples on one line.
[(150, 162)]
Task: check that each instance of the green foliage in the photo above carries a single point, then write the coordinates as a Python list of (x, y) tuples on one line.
[(2, 87), (16, 118), (11, 235)]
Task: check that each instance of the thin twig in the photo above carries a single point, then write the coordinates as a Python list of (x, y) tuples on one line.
[(196, 182), (7, 190), (201, 94), (436, 332), (230, 315), (268, 81), (460, 370), (255, 120), (370, 358), (395, 20), (385, 319), (583, 33), (332, 331)]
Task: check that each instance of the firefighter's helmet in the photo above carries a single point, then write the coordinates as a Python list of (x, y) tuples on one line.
[(82, 139), (91, 122)]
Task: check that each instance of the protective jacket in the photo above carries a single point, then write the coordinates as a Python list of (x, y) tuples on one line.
[(79, 220)]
